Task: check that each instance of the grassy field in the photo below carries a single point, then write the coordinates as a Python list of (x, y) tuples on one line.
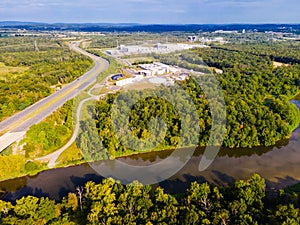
[(11, 71), (70, 156), (133, 60)]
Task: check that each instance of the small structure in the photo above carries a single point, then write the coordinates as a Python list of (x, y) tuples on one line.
[(138, 77), (154, 69), (130, 80), (146, 73), (117, 76), (124, 82), (113, 52)]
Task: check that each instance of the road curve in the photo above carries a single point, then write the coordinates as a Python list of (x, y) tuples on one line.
[(52, 157), (37, 112)]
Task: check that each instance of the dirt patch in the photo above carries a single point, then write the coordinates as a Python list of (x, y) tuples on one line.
[(278, 64)]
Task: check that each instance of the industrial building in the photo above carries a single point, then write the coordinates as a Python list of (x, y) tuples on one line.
[(156, 68), (156, 72), (130, 80), (158, 48), (124, 82)]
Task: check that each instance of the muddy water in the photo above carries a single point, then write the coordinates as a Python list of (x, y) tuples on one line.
[(279, 165)]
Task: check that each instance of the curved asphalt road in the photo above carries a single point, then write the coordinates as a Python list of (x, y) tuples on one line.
[(34, 114)]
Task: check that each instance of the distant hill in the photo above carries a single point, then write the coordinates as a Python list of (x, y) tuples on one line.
[(18, 23), (135, 27)]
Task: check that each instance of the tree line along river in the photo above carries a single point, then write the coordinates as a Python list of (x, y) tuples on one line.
[(279, 165)]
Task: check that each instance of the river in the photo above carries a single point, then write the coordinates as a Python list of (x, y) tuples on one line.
[(279, 165)]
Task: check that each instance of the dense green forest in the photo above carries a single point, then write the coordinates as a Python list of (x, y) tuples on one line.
[(256, 93), (284, 52), (28, 74), (244, 202)]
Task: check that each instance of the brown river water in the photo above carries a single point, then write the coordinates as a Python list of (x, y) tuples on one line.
[(279, 165)]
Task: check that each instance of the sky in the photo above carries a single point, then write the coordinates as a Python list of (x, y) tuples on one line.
[(151, 11)]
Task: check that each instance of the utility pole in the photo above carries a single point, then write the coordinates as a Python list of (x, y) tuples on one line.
[(36, 47)]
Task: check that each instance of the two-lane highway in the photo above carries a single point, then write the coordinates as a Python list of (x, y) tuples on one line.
[(12, 128)]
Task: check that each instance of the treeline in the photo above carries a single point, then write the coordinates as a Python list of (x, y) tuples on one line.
[(244, 73), (136, 135), (50, 68), (284, 52), (244, 202), (256, 92), (249, 123), (256, 95)]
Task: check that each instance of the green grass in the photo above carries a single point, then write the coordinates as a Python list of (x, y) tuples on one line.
[(9, 72), (7, 151), (296, 112), (139, 60), (70, 157)]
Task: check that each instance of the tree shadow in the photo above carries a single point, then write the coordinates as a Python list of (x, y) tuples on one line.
[(24, 192)]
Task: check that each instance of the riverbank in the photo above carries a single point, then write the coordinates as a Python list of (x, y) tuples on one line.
[(296, 110), (129, 153), (268, 162)]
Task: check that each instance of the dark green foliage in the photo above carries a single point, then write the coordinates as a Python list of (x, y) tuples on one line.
[(31, 166), (250, 121), (31, 210), (245, 202), (256, 93), (89, 142), (143, 132)]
